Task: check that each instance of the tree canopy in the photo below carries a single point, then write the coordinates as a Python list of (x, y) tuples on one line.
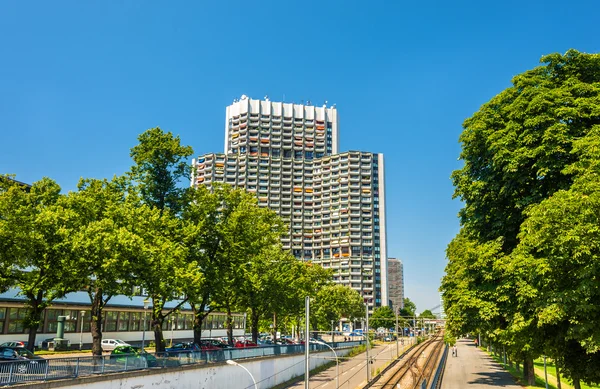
[(522, 269)]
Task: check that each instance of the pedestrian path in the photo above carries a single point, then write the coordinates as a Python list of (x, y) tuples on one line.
[(474, 369)]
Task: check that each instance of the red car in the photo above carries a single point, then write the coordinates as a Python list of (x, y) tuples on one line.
[(205, 345), (244, 344)]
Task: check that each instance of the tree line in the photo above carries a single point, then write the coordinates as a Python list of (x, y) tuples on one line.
[(205, 249), (524, 270)]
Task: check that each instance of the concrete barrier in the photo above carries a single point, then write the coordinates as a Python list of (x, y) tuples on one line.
[(267, 372)]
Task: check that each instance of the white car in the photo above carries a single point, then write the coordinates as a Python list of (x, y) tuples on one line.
[(111, 344)]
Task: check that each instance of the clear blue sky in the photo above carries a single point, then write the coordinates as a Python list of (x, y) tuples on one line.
[(79, 80)]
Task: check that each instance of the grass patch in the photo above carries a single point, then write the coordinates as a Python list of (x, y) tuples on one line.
[(551, 368), (67, 352), (539, 374)]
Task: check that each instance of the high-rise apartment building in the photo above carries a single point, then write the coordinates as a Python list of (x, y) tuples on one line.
[(396, 283), (333, 202)]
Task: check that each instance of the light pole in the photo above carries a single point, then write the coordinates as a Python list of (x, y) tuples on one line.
[(367, 348), (306, 344), (234, 363), (397, 348), (146, 303), (172, 329), (337, 362), (82, 313)]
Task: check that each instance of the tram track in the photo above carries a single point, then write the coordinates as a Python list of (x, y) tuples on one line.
[(409, 371)]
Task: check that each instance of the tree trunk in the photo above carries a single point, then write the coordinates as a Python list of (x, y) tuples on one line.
[(229, 323), (33, 318), (558, 383), (96, 323), (528, 372), (198, 320), (517, 366), (200, 313), (159, 339), (157, 323), (576, 383), (274, 327), (254, 323)]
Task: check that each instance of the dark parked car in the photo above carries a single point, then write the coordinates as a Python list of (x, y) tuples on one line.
[(133, 356), (184, 347), (189, 347), (31, 363), (217, 343), (15, 343)]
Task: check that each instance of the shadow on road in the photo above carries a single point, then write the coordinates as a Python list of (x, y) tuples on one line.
[(495, 378)]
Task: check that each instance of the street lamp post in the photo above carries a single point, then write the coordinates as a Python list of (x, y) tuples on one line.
[(146, 303), (367, 348), (234, 363), (306, 344), (397, 348), (81, 332), (172, 329)]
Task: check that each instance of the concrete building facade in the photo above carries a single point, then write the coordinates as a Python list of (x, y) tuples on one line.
[(334, 203), (396, 283)]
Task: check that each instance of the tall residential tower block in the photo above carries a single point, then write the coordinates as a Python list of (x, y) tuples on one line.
[(396, 283), (334, 203)]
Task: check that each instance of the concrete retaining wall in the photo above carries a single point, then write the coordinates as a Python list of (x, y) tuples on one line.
[(268, 372)]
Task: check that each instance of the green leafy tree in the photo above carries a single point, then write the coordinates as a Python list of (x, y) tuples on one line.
[(160, 163), (35, 229), (231, 239), (266, 275), (409, 309), (334, 302), (427, 314), (107, 249), (382, 317), (524, 154), (164, 270)]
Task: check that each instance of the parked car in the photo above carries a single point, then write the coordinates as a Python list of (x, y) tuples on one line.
[(134, 356), (285, 341), (189, 347), (265, 342), (15, 343), (31, 363), (244, 344), (217, 343), (111, 344), (184, 347)]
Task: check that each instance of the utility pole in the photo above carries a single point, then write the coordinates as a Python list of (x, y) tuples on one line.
[(306, 342), (367, 338), (397, 349)]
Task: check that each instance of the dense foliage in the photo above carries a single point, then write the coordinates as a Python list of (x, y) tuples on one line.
[(524, 269), (202, 249)]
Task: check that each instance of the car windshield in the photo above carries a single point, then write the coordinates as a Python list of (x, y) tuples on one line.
[(119, 341), (23, 352)]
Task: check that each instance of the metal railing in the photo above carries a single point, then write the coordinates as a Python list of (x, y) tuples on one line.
[(21, 371), (439, 372)]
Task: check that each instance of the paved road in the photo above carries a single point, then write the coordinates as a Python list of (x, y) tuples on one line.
[(474, 369), (353, 374)]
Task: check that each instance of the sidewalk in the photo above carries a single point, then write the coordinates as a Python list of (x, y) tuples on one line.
[(474, 369)]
